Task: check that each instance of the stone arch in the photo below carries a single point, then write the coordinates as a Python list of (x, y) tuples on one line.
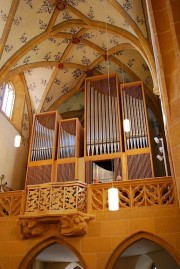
[(134, 238), (40, 246)]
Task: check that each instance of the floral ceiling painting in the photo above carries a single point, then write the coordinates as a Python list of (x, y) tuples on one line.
[(56, 44)]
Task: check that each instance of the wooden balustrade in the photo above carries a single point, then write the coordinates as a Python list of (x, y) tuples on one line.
[(11, 203), (56, 198), (71, 197), (135, 193)]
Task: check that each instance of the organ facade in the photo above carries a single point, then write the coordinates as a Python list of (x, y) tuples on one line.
[(103, 151)]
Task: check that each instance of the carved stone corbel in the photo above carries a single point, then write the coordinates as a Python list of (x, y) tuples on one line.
[(75, 225), (31, 228), (71, 225)]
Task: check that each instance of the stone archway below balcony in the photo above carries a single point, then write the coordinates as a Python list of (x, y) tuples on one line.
[(133, 239)]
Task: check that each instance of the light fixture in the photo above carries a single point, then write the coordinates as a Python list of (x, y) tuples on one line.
[(17, 141), (162, 151), (113, 199), (126, 125), (156, 139), (160, 158)]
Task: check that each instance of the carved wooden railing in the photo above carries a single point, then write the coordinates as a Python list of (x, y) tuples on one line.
[(60, 204), (134, 193), (56, 198), (70, 197), (65, 205), (11, 203)]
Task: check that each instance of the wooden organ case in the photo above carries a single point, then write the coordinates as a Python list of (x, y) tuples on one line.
[(103, 135), (42, 150), (55, 147), (110, 152), (137, 140), (70, 148)]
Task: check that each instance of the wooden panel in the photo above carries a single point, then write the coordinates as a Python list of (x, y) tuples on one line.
[(38, 174), (139, 166), (66, 172)]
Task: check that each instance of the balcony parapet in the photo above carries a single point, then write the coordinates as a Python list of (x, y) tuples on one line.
[(61, 204), (70, 205), (12, 203), (56, 198), (133, 193)]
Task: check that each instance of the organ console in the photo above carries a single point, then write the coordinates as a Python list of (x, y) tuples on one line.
[(109, 152)]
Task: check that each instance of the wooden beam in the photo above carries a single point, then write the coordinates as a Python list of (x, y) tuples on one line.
[(8, 25)]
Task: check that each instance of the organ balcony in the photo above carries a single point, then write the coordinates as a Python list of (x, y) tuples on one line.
[(70, 167), (69, 206)]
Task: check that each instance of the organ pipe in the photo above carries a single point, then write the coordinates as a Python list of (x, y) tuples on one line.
[(102, 119), (102, 128), (42, 140), (134, 110)]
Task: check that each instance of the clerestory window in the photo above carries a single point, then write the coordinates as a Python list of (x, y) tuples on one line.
[(7, 98)]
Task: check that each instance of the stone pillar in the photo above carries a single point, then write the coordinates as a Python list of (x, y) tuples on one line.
[(164, 21)]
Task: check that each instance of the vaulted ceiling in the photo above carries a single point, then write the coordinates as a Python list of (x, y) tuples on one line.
[(55, 45)]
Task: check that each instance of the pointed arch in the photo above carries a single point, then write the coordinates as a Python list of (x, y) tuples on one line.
[(43, 244), (136, 237)]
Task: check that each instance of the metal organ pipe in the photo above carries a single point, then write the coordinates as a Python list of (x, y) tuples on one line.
[(96, 117), (114, 124), (117, 125), (102, 123), (134, 111), (92, 121), (88, 118), (67, 144), (42, 141)]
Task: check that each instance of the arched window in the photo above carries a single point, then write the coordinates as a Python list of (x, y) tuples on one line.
[(7, 98)]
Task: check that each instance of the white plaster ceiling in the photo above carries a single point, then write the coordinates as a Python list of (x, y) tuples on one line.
[(36, 41)]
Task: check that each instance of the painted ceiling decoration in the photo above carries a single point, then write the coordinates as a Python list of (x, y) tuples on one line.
[(56, 44)]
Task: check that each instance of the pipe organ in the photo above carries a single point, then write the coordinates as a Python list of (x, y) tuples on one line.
[(70, 148), (102, 125), (55, 147), (137, 140), (109, 152), (42, 150), (42, 146), (106, 107), (133, 109)]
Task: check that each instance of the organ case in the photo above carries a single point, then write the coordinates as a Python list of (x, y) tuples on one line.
[(137, 140), (102, 138), (109, 153), (42, 150), (102, 116), (70, 148)]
